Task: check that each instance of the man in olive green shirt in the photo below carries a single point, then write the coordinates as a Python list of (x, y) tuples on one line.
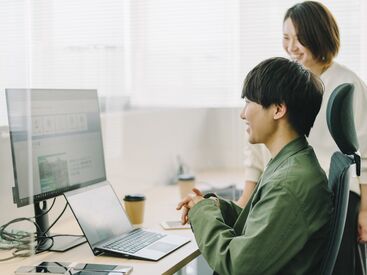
[(284, 227)]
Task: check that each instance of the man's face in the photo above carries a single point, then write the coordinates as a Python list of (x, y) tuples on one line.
[(259, 121)]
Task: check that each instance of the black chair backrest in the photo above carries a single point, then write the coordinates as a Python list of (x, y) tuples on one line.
[(340, 119), (339, 184), (339, 116)]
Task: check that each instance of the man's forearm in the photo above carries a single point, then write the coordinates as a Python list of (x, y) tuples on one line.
[(363, 206), (362, 216)]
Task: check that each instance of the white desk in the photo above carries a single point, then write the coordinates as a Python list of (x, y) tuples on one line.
[(156, 210), (160, 205)]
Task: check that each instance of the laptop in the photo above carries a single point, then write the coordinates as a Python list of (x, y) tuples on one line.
[(107, 228)]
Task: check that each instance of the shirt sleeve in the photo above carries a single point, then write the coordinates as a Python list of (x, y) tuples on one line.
[(270, 238), (256, 158), (230, 211), (360, 119)]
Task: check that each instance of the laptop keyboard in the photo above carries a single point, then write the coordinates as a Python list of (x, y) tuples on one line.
[(135, 240)]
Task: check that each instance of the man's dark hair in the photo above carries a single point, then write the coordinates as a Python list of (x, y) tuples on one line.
[(316, 29), (281, 81)]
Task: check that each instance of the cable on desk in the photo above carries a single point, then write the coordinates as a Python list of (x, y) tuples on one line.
[(46, 237), (19, 241), (26, 243), (57, 219), (7, 259), (48, 210), (20, 237), (58, 235)]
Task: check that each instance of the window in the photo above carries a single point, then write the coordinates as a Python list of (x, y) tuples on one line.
[(157, 52)]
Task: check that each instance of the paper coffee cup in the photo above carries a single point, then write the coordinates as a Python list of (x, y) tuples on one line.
[(185, 183), (134, 207)]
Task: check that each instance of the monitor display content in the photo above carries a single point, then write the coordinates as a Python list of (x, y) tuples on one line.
[(56, 142)]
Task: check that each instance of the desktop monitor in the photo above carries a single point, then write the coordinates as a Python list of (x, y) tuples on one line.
[(56, 145)]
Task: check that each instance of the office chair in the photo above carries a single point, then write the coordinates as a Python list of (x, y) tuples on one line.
[(339, 116)]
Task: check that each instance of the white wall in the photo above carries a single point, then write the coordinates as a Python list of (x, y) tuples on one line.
[(141, 148), (149, 141)]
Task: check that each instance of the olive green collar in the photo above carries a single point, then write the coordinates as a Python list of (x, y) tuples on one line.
[(287, 151)]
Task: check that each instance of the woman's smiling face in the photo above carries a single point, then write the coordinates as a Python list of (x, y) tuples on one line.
[(294, 48)]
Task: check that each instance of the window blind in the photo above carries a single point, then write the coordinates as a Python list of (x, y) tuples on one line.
[(176, 53)]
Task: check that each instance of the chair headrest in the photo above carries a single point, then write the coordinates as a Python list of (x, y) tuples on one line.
[(340, 120)]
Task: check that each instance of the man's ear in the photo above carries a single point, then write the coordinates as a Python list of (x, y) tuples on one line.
[(280, 110)]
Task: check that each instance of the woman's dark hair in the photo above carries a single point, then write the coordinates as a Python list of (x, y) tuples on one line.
[(282, 81), (316, 29)]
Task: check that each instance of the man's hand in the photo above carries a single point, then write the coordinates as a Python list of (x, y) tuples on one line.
[(187, 203)]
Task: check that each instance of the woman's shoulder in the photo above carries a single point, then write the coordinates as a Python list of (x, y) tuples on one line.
[(337, 74), (341, 71)]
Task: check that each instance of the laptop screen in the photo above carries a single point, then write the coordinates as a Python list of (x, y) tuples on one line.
[(99, 212)]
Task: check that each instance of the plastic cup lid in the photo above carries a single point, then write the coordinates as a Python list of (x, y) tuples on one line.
[(186, 177), (134, 197)]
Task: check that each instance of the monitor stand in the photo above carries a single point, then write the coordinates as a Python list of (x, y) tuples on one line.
[(60, 243)]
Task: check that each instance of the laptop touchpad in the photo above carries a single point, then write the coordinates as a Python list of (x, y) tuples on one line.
[(162, 246)]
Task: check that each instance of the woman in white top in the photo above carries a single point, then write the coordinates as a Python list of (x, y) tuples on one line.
[(311, 36)]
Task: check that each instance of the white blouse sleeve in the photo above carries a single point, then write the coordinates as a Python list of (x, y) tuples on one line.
[(360, 119), (256, 158)]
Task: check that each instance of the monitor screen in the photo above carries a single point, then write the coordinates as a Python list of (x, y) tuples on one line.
[(56, 142)]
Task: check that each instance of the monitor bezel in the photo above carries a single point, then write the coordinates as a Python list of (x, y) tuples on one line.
[(31, 199)]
